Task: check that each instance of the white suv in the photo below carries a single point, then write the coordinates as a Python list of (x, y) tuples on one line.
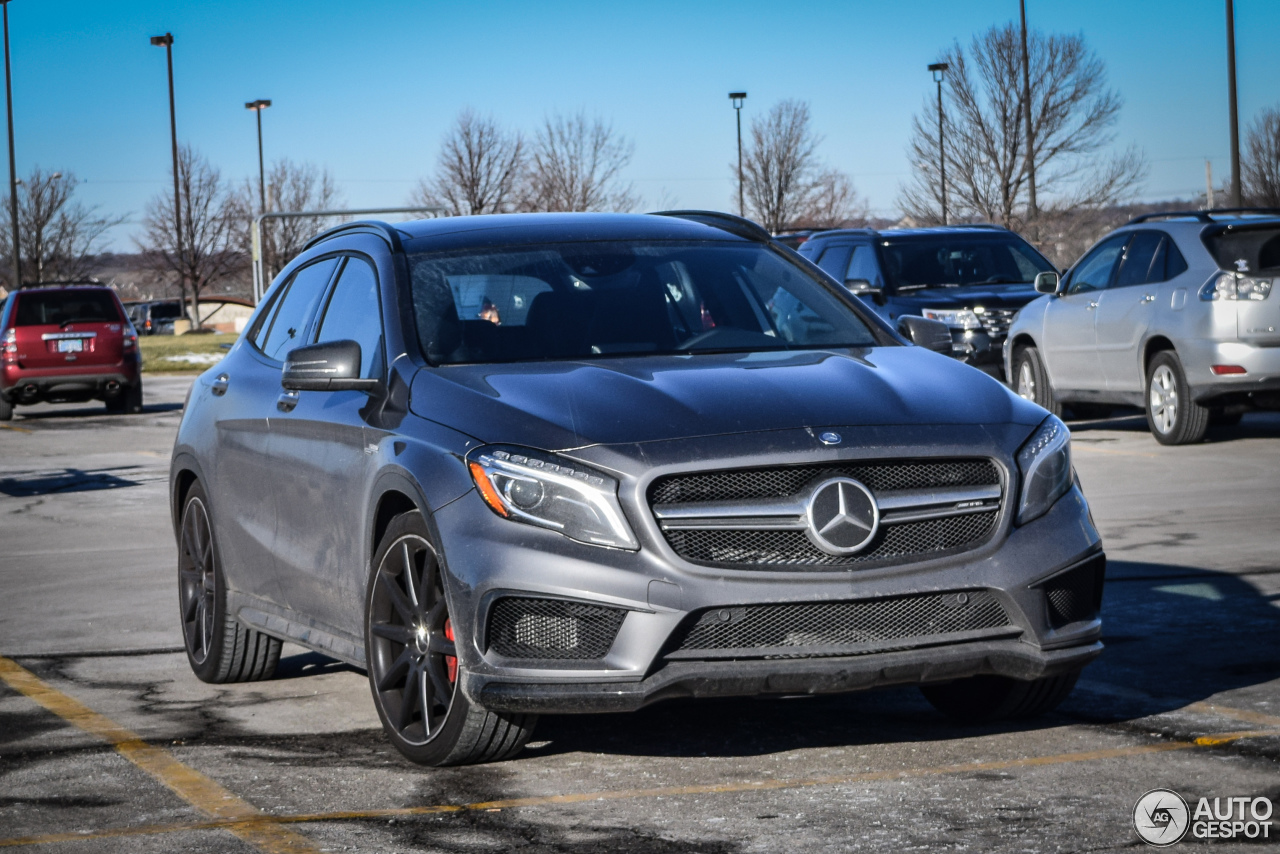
[(1172, 312)]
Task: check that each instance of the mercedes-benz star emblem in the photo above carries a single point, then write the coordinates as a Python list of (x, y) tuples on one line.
[(829, 438), (842, 516)]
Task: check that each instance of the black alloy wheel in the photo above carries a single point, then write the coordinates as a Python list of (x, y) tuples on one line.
[(412, 655), (219, 648)]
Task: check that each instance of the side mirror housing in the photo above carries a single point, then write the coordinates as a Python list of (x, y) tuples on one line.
[(1048, 282), (862, 287), (926, 333), (331, 366)]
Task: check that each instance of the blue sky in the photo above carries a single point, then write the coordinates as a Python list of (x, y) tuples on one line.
[(367, 89)]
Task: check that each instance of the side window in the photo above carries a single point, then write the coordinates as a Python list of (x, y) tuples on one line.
[(1174, 264), (835, 260), (1094, 272), (863, 265), (297, 305), (354, 313), (1138, 259)]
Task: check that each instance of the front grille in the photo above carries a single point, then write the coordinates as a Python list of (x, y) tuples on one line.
[(552, 629), (841, 628), (1076, 594), (995, 321), (792, 549)]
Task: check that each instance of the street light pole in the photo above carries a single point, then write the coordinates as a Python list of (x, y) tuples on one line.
[(736, 98), (939, 70), (13, 169), (1033, 209), (166, 41), (258, 106), (1231, 99)]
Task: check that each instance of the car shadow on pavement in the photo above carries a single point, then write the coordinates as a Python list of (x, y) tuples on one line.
[(1174, 635), (43, 414), (311, 664), (1253, 425)]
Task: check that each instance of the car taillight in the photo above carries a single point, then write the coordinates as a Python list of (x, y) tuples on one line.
[(130, 341), (9, 346)]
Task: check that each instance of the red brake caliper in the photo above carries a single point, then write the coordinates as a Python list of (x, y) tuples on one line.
[(450, 661)]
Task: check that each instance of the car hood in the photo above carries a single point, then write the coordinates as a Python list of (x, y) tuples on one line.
[(1006, 296), (562, 405)]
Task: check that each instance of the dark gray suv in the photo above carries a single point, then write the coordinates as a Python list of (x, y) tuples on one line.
[(576, 463)]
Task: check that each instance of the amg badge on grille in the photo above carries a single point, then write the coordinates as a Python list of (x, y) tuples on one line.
[(842, 516)]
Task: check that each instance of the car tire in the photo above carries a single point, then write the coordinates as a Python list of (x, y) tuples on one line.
[(1031, 380), (1173, 417), (982, 699), (412, 663), (6, 410), (219, 648), (128, 401)]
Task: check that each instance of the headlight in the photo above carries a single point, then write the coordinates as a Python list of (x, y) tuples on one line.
[(1045, 463), (550, 492), (1235, 286), (956, 318)]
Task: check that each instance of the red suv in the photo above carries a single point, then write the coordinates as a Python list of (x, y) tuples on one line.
[(66, 345)]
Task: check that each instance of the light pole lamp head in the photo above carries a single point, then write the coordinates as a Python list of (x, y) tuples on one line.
[(939, 70), (260, 104), (737, 98), (162, 41)]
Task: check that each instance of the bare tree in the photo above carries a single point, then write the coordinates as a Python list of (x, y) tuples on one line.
[(785, 183), (57, 237), (479, 168), (1072, 114), (206, 253), (576, 165), (1261, 167), (290, 187)]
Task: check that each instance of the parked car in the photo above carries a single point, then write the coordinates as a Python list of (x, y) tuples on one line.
[(562, 463), (1172, 312), (155, 317), (66, 345), (973, 278)]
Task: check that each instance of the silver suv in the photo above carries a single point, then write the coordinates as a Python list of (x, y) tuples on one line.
[(1172, 312)]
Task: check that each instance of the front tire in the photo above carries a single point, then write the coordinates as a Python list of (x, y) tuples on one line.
[(6, 410), (219, 648), (981, 699), (1174, 418), (413, 664), (1031, 380)]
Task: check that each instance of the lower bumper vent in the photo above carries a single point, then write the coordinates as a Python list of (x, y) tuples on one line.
[(842, 628), (1076, 594), (552, 629)]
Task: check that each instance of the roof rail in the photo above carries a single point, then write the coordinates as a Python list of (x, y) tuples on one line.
[(387, 232), (1202, 215), (741, 226)]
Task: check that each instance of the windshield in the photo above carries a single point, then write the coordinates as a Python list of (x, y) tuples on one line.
[(600, 299), (1247, 250), (962, 259), (63, 307)]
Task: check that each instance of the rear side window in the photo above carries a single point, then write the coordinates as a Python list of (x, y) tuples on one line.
[(1168, 263), (1138, 261), (53, 308), (1246, 250), (296, 306)]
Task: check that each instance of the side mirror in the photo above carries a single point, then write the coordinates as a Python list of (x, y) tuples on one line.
[(331, 366), (1048, 282), (861, 287), (926, 333)]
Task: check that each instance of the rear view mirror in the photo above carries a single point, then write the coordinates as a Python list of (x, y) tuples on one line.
[(1047, 282), (331, 366), (926, 333)]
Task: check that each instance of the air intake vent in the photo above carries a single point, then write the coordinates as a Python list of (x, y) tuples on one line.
[(552, 629), (1076, 594)]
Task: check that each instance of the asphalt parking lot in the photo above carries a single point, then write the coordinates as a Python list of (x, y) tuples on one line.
[(109, 743)]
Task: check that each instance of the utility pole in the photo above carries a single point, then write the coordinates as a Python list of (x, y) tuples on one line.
[(736, 98), (1208, 183), (939, 70), (1231, 99), (166, 41), (1033, 210), (13, 169)]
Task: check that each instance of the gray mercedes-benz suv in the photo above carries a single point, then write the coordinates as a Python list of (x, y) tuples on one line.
[(575, 463), (1172, 312)]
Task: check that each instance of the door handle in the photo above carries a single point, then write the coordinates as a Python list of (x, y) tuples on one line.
[(219, 385), (1148, 297), (287, 401), (1092, 306)]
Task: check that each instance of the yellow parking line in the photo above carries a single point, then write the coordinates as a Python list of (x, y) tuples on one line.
[(658, 792), (203, 793), (14, 429)]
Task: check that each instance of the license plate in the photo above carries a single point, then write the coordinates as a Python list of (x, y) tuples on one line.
[(71, 345)]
